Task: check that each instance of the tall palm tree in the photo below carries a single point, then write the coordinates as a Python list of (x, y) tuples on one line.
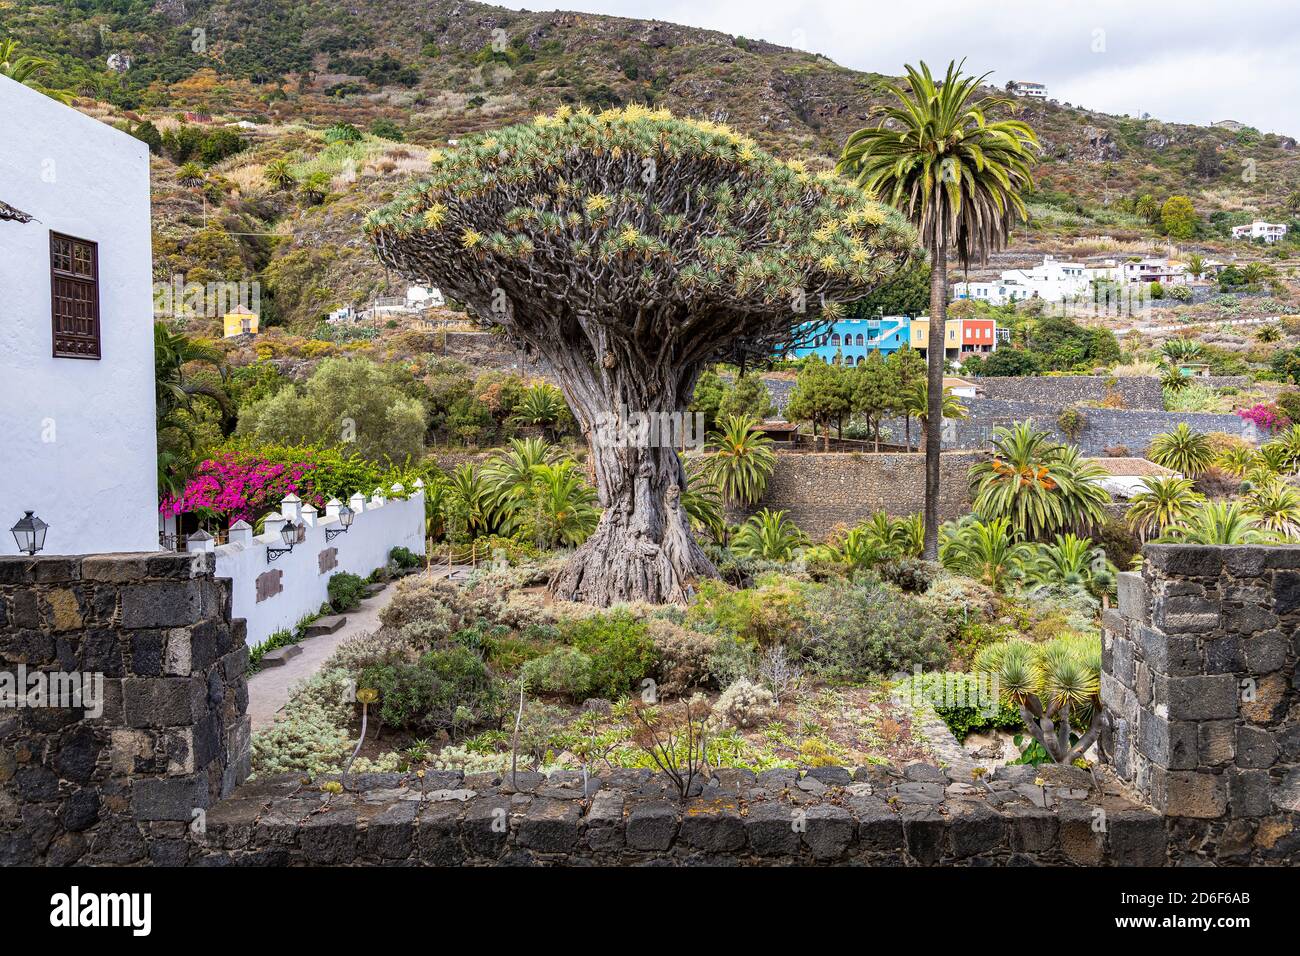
[(741, 461), (1039, 485), (1187, 452), (937, 157), (563, 506), (1166, 500)]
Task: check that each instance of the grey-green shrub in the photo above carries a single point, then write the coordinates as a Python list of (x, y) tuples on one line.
[(862, 628), (566, 671)]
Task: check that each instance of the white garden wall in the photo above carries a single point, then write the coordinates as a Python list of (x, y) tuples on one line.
[(294, 585)]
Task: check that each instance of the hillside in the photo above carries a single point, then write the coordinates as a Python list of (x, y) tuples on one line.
[(285, 71)]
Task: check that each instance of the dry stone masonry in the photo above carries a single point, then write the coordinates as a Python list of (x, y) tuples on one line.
[(1200, 681), (1202, 751)]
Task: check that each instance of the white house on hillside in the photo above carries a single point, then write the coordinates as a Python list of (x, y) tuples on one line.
[(76, 353), (1052, 280), (1036, 91), (1268, 231)]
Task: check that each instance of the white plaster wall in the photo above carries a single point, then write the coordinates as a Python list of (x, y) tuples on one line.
[(76, 435), (374, 533)]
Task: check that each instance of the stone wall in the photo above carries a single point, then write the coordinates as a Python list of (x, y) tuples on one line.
[(821, 490), (1062, 390), (829, 815), (1200, 679), (171, 737), (1103, 427)]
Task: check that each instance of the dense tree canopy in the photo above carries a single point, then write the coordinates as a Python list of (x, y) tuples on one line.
[(631, 250)]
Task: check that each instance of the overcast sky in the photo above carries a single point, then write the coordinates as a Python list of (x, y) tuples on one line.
[(1192, 61)]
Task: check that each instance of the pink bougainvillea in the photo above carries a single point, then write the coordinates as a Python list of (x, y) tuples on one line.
[(1266, 416), (231, 487)]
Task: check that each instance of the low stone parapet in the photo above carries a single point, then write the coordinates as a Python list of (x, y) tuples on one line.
[(920, 816)]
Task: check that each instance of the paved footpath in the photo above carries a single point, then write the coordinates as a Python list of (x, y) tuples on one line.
[(268, 689)]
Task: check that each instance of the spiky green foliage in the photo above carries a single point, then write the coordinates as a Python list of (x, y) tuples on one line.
[(1219, 522), (769, 534), (1070, 562), (1056, 685), (990, 551), (1165, 501), (542, 406), (936, 155), (650, 219), (740, 460), (1187, 452), (1038, 484), (1277, 506)]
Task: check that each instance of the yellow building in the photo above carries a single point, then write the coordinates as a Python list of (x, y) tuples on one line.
[(239, 321), (921, 334)]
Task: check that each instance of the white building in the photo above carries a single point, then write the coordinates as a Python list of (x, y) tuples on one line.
[(1152, 269), (1036, 91), (1268, 231), (76, 353), (1052, 281)]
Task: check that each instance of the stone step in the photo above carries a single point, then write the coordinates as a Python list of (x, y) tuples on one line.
[(372, 589), (325, 625), (281, 655)]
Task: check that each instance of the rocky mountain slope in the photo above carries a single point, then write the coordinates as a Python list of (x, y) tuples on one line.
[(284, 70)]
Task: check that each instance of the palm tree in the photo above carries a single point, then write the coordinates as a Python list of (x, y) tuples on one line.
[(917, 404), (1268, 333), (27, 70), (1196, 265), (314, 187), (1071, 562), (990, 551), (703, 504), (1166, 501), (469, 505), (856, 548), (768, 534), (1235, 460), (1277, 505), (741, 462), (1039, 485), (542, 406), (1187, 452), (563, 506), (508, 478), (1179, 350), (1219, 522), (957, 176), (1282, 451), (279, 174), (191, 175), (174, 395)]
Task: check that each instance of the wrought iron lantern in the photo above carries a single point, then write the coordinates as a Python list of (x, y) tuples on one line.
[(346, 515), (29, 532)]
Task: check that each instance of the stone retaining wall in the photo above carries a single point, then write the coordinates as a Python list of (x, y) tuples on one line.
[(821, 490), (1200, 679), (1062, 390), (172, 738), (1103, 427), (874, 816)]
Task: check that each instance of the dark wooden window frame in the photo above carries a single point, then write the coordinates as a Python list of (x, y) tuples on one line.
[(75, 345)]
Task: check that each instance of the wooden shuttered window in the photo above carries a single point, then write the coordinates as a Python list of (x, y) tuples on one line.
[(74, 291)]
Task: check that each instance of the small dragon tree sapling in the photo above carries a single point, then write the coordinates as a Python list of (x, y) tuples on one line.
[(632, 250), (1056, 685), (365, 696), (677, 748)]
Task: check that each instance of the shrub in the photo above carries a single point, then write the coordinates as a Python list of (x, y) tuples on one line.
[(417, 599), (621, 650), (345, 591), (447, 689), (683, 656), (960, 701), (766, 614), (863, 628), (913, 575), (743, 705), (566, 671), (384, 646), (431, 631), (404, 557)]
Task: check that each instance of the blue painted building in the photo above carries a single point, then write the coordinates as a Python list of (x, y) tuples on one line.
[(853, 339)]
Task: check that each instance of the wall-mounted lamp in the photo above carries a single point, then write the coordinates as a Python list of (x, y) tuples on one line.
[(29, 532), (290, 534), (346, 515)]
